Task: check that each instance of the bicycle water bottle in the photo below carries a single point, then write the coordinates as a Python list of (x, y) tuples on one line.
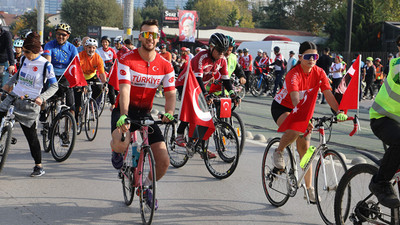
[(135, 151), (307, 156)]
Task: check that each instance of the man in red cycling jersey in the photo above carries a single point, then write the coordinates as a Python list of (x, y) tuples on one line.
[(140, 72), (209, 67)]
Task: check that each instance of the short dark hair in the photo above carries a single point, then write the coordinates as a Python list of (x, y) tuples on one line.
[(327, 49), (151, 22), (128, 41)]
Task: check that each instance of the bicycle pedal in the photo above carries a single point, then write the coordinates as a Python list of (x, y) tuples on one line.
[(13, 140)]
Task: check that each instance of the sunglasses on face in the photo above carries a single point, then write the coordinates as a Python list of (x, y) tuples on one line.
[(308, 56), (148, 34), (61, 34)]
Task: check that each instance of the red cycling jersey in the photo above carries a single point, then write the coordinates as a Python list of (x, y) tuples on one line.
[(245, 62), (108, 55), (144, 78), (204, 66), (297, 80)]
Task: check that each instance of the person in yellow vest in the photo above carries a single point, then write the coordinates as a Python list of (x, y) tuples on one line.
[(379, 73), (385, 123)]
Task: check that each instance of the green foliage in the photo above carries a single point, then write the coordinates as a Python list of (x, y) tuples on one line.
[(190, 4), (137, 18), (27, 22), (81, 14), (277, 14)]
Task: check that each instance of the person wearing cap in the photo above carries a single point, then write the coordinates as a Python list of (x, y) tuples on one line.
[(369, 76), (291, 62), (256, 62), (337, 72), (386, 69), (164, 53), (245, 63), (279, 67), (7, 59), (379, 73), (184, 59), (34, 74)]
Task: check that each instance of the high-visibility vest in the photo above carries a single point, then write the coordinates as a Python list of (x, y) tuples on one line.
[(387, 101), (379, 72), (232, 62)]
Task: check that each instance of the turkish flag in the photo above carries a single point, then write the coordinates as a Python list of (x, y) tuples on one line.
[(194, 109), (347, 93), (113, 81), (225, 108), (74, 73), (300, 116)]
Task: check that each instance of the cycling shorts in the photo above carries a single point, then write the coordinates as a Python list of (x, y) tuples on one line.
[(277, 110), (155, 134)]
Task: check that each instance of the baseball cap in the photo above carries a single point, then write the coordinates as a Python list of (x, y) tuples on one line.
[(370, 59), (260, 50), (183, 49), (291, 52)]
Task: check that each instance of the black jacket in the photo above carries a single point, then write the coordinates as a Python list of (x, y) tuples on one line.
[(6, 51)]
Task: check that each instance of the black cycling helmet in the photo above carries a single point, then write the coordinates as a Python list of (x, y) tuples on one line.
[(76, 40), (63, 26), (231, 41), (162, 46), (276, 49), (106, 38), (245, 50), (239, 51), (219, 42)]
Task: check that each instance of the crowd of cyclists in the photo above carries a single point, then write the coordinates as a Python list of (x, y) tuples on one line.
[(150, 70)]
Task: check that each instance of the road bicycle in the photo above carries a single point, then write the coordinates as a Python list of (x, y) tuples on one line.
[(6, 127), (58, 128), (134, 177), (262, 82), (88, 113), (223, 144), (103, 98), (280, 184), (354, 202), (239, 88)]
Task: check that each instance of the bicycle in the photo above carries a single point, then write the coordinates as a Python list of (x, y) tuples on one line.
[(239, 88), (103, 98), (88, 114), (223, 143), (133, 177), (354, 202), (280, 184), (58, 129), (6, 127), (263, 82)]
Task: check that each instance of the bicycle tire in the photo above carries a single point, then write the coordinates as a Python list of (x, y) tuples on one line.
[(224, 144), (276, 189), (5, 142), (256, 86), (333, 175), (127, 180), (236, 122), (45, 132), (348, 195), (149, 170), (177, 155), (79, 123), (91, 119), (61, 153), (241, 91), (103, 100)]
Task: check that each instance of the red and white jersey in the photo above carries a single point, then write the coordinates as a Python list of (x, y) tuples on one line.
[(245, 62), (108, 55), (144, 78), (122, 51), (205, 67)]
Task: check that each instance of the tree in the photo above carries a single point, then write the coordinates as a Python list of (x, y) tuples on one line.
[(137, 18), (190, 4), (278, 14), (81, 14), (28, 22), (153, 9)]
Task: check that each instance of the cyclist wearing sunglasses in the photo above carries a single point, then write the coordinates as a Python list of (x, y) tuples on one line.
[(302, 77), (140, 72), (209, 67)]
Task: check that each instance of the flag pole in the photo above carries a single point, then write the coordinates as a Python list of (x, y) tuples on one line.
[(67, 68), (359, 84), (184, 89)]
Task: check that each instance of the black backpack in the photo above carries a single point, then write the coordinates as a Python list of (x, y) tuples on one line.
[(45, 86)]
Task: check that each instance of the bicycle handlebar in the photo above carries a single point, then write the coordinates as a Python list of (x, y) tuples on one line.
[(143, 122), (333, 119)]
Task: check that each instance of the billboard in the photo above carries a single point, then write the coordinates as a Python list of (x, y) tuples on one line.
[(187, 25)]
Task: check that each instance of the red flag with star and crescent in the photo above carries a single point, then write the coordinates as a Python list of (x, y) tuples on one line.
[(113, 78), (194, 108), (74, 73), (300, 116)]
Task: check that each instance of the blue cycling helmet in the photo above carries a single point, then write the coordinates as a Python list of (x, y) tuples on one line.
[(18, 43)]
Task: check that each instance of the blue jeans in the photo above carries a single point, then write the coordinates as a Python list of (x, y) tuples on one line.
[(4, 75)]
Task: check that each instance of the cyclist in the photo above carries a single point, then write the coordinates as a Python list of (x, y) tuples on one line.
[(245, 61), (91, 63), (256, 62), (164, 53), (60, 53), (379, 73), (209, 66), (128, 43), (385, 123), (18, 52), (369, 77), (233, 65), (29, 81), (77, 42), (279, 69), (106, 53), (140, 72), (302, 77), (120, 48)]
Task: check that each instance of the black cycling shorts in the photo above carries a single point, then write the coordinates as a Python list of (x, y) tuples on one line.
[(155, 134), (277, 110)]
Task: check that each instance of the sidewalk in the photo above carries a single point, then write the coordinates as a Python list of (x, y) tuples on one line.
[(366, 104)]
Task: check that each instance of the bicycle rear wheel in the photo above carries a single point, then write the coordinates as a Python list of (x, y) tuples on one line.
[(127, 177), (256, 86), (91, 119), (103, 100), (224, 144), (330, 168), (237, 124), (147, 193), (62, 136), (276, 183), (354, 203), (5, 142), (177, 154)]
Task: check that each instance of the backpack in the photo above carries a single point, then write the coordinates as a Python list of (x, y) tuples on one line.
[(45, 86)]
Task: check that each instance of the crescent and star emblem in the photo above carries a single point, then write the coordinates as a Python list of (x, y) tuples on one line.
[(204, 116), (70, 70)]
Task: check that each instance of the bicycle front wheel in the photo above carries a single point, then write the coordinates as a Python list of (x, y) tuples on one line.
[(221, 151), (103, 99), (330, 168), (177, 154), (147, 192), (5, 142), (256, 86), (91, 119), (276, 183), (62, 136), (237, 124)]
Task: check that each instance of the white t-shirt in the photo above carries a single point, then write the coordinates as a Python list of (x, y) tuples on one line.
[(30, 80), (336, 67)]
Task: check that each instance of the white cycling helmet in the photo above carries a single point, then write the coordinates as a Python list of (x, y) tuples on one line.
[(18, 43), (118, 39), (260, 51), (91, 42)]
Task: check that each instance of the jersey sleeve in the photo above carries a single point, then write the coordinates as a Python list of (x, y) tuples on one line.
[(100, 65), (50, 76), (292, 81), (324, 81), (169, 79), (124, 74), (224, 70), (47, 49), (197, 67)]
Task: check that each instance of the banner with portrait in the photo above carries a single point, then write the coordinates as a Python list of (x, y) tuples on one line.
[(187, 25)]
